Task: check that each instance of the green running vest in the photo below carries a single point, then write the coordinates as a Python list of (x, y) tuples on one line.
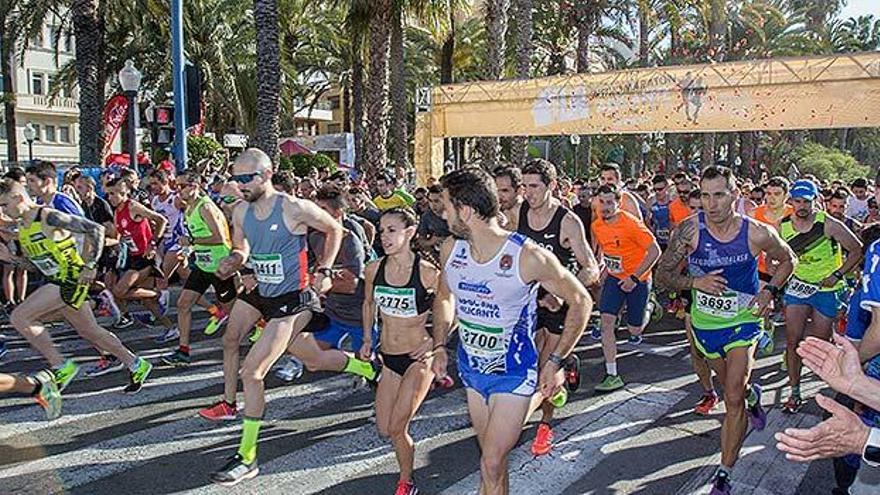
[(818, 256), (207, 256)]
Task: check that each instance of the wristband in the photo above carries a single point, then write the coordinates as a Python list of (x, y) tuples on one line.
[(635, 279), (439, 346), (838, 275), (327, 272), (555, 359), (772, 289)]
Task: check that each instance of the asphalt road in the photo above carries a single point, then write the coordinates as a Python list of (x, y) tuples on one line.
[(318, 436)]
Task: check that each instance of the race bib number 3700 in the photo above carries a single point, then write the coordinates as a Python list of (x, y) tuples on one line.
[(723, 306), (481, 340), (268, 268)]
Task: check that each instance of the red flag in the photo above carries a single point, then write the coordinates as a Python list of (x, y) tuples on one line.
[(114, 115)]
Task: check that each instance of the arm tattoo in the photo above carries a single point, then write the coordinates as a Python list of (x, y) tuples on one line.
[(667, 273), (92, 232)]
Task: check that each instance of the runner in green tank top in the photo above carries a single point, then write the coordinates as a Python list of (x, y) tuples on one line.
[(209, 242), (46, 237), (813, 296)]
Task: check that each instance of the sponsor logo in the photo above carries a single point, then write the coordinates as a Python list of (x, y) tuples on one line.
[(506, 262), (549, 236), (478, 287)]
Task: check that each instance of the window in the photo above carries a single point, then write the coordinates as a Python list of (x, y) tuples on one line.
[(334, 102), (50, 133), (64, 134), (68, 43), (2, 126), (37, 134), (37, 83), (334, 128), (50, 83), (38, 41), (54, 36)]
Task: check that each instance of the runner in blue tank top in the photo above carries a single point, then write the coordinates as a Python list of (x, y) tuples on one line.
[(719, 247), (269, 229), (490, 283), (660, 223)]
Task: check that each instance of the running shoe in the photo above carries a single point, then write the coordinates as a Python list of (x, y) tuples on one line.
[(170, 334), (221, 411), (109, 303), (406, 488), (706, 404), (123, 322), (66, 374), (146, 318), (377, 370), (178, 359), (164, 296), (102, 311), (610, 383), (572, 367), (595, 332), (235, 471), (138, 377), (720, 484), (49, 397), (290, 370), (757, 414), (635, 340), (3, 350), (765, 343), (792, 405), (105, 365), (216, 321), (543, 440), (257, 332), (446, 383), (784, 365), (560, 399)]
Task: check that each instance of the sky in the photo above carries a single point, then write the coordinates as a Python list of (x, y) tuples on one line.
[(855, 8)]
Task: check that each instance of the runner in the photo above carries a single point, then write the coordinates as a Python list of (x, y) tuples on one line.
[(41, 387), (390, 196), (561, 233), (629, 251), (857, 204), (401, 287), (494, 275), (269, 229), (660, 222), (46, 237), (813, 297), (166, 203), (610, 174), (720, 247), (680, 208), (508, 180), (42, 184), (209, 241), (138, 228)]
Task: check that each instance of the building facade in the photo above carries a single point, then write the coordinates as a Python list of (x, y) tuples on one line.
[(42, 101)]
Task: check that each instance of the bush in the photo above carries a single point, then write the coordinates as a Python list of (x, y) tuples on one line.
[(828, 163), (303, 164), (205, 153)]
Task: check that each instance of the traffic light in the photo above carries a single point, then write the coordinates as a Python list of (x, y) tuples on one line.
[(192, 83), (163, 125)]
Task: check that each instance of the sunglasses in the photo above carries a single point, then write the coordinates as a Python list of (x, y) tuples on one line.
[(659, 189), (244, 178)]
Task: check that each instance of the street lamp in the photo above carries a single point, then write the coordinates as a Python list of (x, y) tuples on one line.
[(130, 81), (29, 135), (575, 141)]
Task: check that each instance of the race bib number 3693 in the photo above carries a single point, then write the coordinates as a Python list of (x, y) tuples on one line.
[(481, 340), (723, 306)]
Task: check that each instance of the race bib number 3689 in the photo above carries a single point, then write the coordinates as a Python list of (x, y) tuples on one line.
[(800, 289)]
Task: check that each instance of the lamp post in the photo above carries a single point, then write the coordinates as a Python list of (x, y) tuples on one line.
[(29, 135), (575, 141), (130, 81)]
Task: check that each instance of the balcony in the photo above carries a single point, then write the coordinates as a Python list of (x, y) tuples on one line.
[(41, 104)]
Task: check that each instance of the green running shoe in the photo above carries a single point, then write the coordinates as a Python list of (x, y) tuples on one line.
[(560, 399), (610, 384), (49, 397), (215, 322), (138, 377), (256, 334), (66, 374)]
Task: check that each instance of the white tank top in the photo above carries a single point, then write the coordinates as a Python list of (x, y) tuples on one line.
[(168, 210), (496, 310)]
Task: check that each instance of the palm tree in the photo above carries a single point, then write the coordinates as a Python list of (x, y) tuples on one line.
[(397, 136), (522, 11), (268, 76), (7, 41), (376, 98), (496, 32), (88, 26)]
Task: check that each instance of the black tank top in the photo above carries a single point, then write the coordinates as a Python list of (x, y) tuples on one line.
[(550, 237), (408, 301)]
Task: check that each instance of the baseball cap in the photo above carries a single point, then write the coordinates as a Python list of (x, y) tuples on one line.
[(805, 189)]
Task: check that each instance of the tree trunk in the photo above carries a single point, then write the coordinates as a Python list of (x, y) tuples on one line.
[(707, 155), (89, 32), (357, 103), (446, 70), (587, 14), (732, 139), (717, 28), (643, 33), (346, 106), (496, 30), (376, 98), (6, 68), (522, 10), (399, 139), (268, 77)]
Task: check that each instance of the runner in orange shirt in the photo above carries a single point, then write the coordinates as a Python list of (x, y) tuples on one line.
[(629, 251), (610, 174), (679, 208)]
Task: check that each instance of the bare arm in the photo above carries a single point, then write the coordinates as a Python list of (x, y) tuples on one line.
[(92, 232), (836, 230), (870, 345), (777, 251), (444, 302), (156, 219), (573, 234), (368, 310), (541, 266), (312, 216), (667, 274), (216, 222)]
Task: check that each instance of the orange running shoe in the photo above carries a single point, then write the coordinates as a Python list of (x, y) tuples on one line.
[(221, 411), (543, 440), (706, 404)]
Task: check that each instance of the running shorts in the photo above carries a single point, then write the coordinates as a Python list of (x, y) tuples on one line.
[(136, 263), (553, 321), (828, 303), (334, 332), (287, 304), (199, 281), (613, 299), (715, 344), (486, 385), (72, 293)]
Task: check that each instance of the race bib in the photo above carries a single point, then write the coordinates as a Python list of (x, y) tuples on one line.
[(481, 340), (663, 234), (204, 258), (396, 301), (48, 266), (614, 264), (723, 306), (268, 268), (800, 289)]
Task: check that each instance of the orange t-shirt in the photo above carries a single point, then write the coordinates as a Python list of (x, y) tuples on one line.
[(760, 214), (624, 244), (678, 211)]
